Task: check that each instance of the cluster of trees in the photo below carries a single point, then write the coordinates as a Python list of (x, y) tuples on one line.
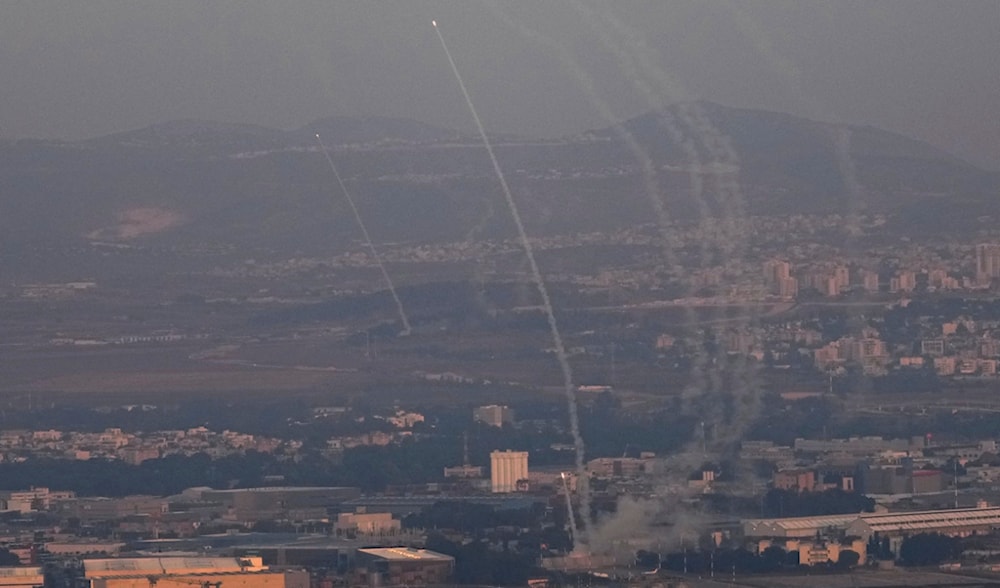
[(460, 302), (371, 468), (740, 561), (929, 549), (472, 518), (7, 558), (789, 503), (476, 564), (824, 417), (923, 549)]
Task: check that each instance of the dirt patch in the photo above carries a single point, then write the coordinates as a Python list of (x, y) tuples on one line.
[(136, 222)]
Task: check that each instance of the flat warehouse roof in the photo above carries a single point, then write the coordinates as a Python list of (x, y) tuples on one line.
[(406, 554)]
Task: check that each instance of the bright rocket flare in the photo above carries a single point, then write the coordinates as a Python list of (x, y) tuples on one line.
[(435, 23)]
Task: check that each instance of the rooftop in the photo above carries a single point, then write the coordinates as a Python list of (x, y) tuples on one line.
[(19, 572), (285, 489), (405, 554), (167, 565), (926, 520)]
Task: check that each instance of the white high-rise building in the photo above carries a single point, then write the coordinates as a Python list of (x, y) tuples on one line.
[(507, 468)]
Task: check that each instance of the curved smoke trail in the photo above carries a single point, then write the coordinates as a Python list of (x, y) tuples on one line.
[(550, 316), (728, 234)]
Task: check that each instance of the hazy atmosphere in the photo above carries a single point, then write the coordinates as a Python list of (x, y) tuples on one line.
[(74, 70), (526, 293)]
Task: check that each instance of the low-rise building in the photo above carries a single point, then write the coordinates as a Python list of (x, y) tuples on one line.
[(800, 480), (21, 577), (401, 566), (362, 523), (177, 572)]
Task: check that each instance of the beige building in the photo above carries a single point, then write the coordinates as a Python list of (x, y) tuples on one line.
[(374, 523), (904, 281), (619, 467), (401, 566), (297, 503), (100, 508), (776, 270), (800, 533), (987, 262), (493, 415), (21, 577), (178, 572), (788, 288), (507, 468), (812, 552), (25, 501), (870, 281)]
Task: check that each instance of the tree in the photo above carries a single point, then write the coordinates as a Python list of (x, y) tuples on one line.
[(647, 559), (8, 559), (928, 549), (848, 558), (773, 558)]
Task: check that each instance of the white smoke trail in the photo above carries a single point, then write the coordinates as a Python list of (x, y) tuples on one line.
[(815, 107), (637, 65), (706, 390), (630, 68), (550, 316), (368, 239), (732, 202), (647, 166), (719, 171), (573, 531), (606, 534), (849, 175)]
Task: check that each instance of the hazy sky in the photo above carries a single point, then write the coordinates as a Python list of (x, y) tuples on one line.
[(926, 68)]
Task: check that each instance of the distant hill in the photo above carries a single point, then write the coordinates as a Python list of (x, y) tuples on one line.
[(234, 185), (193, 136), (342, 130), (187, 137)]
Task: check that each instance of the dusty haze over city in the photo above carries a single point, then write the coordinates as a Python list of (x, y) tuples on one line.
[(499, 293)]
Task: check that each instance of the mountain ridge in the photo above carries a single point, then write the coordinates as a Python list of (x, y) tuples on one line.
[(229, 183)]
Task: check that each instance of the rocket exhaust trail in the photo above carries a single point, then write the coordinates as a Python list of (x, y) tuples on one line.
[(536, 274), (368, 239), (569, 510)]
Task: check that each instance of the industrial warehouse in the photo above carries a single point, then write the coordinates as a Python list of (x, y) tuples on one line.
[(175, 572), (824, 536)]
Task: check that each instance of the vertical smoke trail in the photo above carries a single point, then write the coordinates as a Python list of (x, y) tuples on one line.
[(368, 239), (631, 64), (852, 189), (569, 510), (815, 107), (729, 234), (567, 372), (648, 168), (680, 126), (646, 164)]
